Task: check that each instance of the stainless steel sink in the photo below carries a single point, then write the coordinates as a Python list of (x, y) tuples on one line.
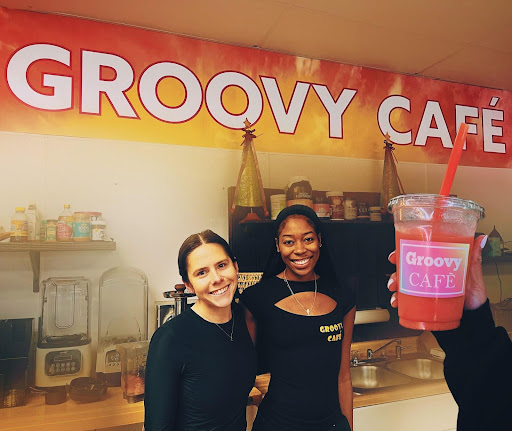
[(373, 377), (425, 369)]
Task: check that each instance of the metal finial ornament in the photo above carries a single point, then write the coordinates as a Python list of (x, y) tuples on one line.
[(391, 184), (249, 187)]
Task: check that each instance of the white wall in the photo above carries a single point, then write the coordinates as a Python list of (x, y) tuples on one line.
[(153, 196)]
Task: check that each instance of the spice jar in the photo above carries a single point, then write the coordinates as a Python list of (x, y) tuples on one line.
[(350, 208), (98, 230), (299, 192), (42, 231), (336, 204), (51, 231), (362, 210), (375, 214), (82, 226), (321, 206), (277, 203)]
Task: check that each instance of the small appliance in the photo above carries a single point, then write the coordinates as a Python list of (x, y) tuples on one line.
[(123, 318), (15, 342), (64, 342), (178, 302)]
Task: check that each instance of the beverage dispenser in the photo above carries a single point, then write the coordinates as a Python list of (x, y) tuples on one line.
[(123, 318), (64, 342)]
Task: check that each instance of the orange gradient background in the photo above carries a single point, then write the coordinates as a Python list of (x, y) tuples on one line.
[(141, 48)]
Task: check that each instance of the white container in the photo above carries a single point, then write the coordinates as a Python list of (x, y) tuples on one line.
[(350, 209), (277, 203), (33, 223), (98, 228)]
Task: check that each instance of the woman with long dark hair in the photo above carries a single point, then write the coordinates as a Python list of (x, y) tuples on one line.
[(201, 364), (302, 319)]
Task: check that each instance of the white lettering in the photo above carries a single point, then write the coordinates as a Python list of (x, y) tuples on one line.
[(438, 261), (425, 282), (417, 277), (410, 258), (148, 90), (438, 278), (286, 119), (334, 109), (463, 112), (213, 97), (384, 118), (93, 85), (413, 259), (433, 112), (490, 130), (61, 85)]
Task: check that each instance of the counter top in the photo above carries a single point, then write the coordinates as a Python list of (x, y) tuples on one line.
[(112, 411), (380, 396)]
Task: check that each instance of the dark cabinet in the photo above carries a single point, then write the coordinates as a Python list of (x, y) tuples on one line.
[(359, 252)]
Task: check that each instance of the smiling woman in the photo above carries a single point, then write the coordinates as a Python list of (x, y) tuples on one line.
[(192, 356), (299, 291)]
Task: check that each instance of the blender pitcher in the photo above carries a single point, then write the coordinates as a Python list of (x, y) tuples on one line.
[(123, 298), (133, 369)]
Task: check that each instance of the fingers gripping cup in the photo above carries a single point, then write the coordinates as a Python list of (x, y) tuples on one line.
[(434, 236)]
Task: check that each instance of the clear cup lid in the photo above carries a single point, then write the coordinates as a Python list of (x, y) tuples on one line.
[(434, 201)]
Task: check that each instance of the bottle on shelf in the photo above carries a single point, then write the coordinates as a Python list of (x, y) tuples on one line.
[(33, 223), (65, 224), (19, 226)]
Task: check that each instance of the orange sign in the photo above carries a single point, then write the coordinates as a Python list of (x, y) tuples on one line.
[(74, 77)]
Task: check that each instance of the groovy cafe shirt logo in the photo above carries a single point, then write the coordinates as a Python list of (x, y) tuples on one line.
[(433, 269)]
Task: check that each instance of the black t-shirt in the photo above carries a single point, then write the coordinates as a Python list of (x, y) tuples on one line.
[(196, 377), (303, 354)]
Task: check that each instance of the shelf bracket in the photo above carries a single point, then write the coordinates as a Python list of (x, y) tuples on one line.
[(35, 263)]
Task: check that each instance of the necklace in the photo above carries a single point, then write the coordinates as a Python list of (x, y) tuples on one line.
[(232, 328), (306, 310)]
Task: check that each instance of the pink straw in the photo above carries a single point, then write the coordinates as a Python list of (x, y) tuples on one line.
[(454, 160)]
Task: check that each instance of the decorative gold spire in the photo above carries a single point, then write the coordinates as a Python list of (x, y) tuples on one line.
[(249, 187), (391, 184)]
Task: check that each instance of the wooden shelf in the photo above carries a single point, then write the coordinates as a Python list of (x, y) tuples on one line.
[(35, 248)]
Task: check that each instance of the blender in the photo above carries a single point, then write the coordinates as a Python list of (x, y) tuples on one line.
[(64, 343), (133, 369), (123, 299)]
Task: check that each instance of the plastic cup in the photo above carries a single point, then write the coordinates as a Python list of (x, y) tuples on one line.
[(434, 236)]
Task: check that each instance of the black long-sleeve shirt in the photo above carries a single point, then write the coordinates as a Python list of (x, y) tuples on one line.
[(197, 379), (478, 370)]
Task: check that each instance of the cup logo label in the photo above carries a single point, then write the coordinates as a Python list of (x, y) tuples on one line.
[(433, 269)]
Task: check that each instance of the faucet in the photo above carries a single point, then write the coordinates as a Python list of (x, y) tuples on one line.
[(398, 350)]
